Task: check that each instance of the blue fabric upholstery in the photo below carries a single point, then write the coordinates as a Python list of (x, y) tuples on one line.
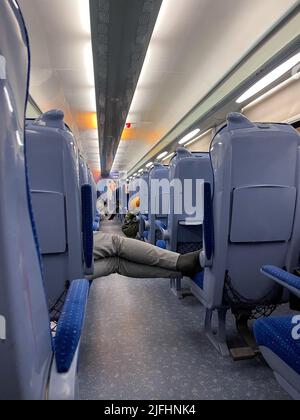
[(276, 335), (146, 234), (187, 247), (95, 227), (161, 224), (87, 223), (161, 244), (198, 279), (284, 276), (70, 325), (208, 225), (29, 200), (30, 207)]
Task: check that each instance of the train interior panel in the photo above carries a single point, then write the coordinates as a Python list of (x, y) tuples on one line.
[(150, 202)]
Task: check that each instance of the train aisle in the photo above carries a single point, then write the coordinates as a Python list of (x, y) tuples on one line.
[(142, 343)]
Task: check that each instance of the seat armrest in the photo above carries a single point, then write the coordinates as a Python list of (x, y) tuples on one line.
[(87, 228), (188, 222), (66, 344), (285, 279), (163, 229), (70, 325), (63, 386), (206, 256)]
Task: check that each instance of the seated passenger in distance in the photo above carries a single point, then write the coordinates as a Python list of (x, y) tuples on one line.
[(133, 258), (130, 227)]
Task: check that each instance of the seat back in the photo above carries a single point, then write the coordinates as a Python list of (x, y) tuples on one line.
[(280, 346), (123, 198), (92, 183), (188, 172), (144, 203), (255, 211), (25, 340), (56, 197), (83, 171), (144, 193), (133, 189), (159, 199)]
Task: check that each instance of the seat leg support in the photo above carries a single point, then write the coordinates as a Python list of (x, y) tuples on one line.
[(250, 349), (176, 288), (219, 337)]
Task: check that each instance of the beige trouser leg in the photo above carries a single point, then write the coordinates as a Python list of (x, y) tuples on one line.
[(107, 266), (132, 258)]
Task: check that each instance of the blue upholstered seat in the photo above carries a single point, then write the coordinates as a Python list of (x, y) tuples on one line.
[(249, 219), (282, 276), (276, 335), (70, 325), (161, 224), (198, 279), (161, 244), (279, 338)]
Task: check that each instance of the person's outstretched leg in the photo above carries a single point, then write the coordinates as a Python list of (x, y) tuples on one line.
[(107, 246), (107, 266), (141, 271)]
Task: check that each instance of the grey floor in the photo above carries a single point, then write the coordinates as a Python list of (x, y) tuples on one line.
[(142, 343)]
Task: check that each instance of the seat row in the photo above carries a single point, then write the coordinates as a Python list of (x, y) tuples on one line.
[(249, 234), (46, 234), (251, 219), (63, 195)]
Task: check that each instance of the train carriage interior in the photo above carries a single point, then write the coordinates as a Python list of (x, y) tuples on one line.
[(150, 206)]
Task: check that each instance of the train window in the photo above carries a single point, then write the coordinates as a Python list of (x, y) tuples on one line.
[(33, 110)]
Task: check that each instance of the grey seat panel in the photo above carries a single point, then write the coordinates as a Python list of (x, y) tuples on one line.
[(255, 213), (190, 171), (52, 231), (144, 192), (159, 199), (246, 157), (25, 342), (253, 216), (54, 182)]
